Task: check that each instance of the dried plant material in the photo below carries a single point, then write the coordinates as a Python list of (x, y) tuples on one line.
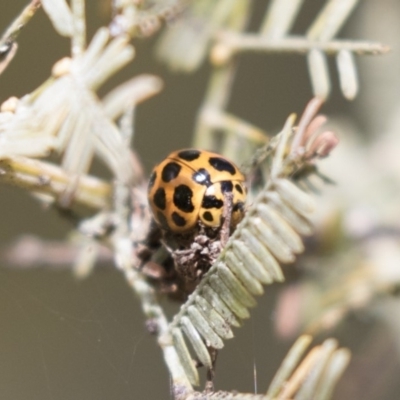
[(7, 53), (9, 106), (12, 32), (269, 263), (182, 375), (216, 99), (221, 395), (221, 306), (206, 331), (325, 27), (278, 159), (181, 382), (44, 178), (245, 254), (234, 126), (235, 285), (311, 378), (304, 381), (347, 74), (298, 222), (274, 36), (310, 142), (279, 18), (291, 194), (87, 257), (310, 384), (195, 339), (185, 357), (353, 276), (143, 18), (78, 42), (129, 94), (331, 19), (8, 45), (216, 320), (299, 375), (319, 73), (228, 297), (240, 43), (60, 16), (30, 252), (375, 274), (50, 120), (334, 370), (281, 227), (246, 278), (103, 58), (185, 43), (273, 242), (323, 145), (288, 365), (174, 41)]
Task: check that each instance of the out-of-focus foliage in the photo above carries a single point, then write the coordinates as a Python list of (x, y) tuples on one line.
[(350, 261)]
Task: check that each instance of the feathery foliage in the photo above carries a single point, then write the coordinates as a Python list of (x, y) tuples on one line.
[(66, 118)]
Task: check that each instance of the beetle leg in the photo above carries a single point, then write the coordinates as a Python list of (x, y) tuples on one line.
[(227, 217)]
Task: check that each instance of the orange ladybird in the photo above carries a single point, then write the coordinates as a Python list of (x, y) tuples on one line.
[(189, 186)]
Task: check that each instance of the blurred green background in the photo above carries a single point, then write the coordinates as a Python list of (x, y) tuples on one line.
[(66, 339)]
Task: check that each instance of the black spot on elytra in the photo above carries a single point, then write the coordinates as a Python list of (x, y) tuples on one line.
[(226, 186), (202, 177), (178, 219), (239, 206), (183, 198), (162, 220), (159, 198), (220, 164), (208, 216), (211, 202), (239, 188), (189, 155), (152, 179), (170, 171)]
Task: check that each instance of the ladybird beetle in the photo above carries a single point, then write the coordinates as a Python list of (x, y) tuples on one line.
[(189, 186)]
